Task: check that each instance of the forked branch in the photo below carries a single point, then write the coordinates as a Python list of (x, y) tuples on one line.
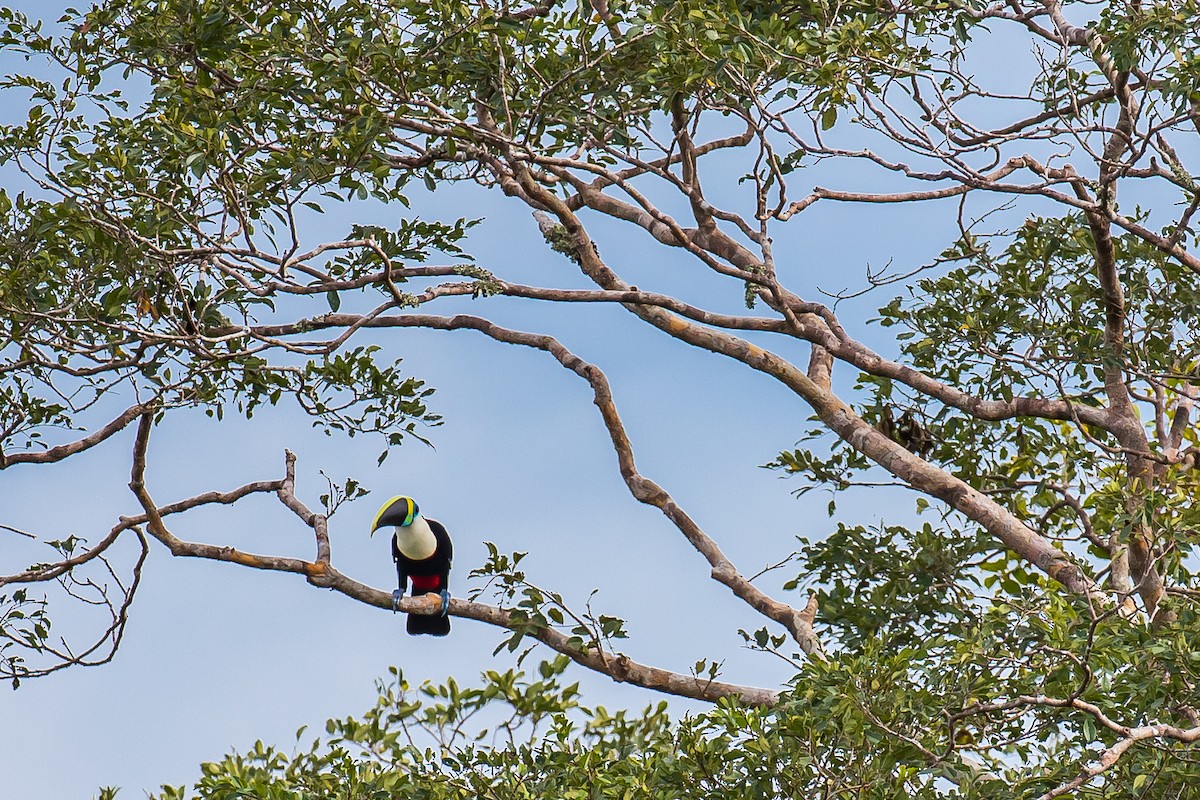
[(321, 573)]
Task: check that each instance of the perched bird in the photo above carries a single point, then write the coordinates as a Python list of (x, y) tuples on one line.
[(422, 551)]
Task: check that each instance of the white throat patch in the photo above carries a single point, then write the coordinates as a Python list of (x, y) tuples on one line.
[(416, 541)]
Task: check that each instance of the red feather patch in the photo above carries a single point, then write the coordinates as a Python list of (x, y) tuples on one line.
[(425, 583)]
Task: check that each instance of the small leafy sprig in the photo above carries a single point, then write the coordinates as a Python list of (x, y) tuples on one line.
[(533, 609)]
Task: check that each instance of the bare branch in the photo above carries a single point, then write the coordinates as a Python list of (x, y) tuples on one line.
[(320, 573), (18, 531), (64, 450)]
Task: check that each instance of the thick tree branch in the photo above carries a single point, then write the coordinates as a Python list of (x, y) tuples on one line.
[(1132, 560), (823, 331), (841, 419)]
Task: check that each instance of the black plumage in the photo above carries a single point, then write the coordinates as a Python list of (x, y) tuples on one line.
[(430, 574), (422, 551)]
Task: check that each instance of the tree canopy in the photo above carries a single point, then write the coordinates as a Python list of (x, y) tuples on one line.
[(1032, 383)]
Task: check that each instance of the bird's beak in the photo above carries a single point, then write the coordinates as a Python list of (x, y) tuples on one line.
[(397, 511)]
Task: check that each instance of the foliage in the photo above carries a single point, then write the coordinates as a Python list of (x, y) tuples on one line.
[(866, 727)]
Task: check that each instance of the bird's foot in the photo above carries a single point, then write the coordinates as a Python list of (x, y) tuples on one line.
[(445, 601), (396, 595)]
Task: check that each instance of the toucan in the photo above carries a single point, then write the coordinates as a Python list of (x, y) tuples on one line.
[(422, 551)]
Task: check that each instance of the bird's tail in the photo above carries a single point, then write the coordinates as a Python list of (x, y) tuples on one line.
[(430, 624)]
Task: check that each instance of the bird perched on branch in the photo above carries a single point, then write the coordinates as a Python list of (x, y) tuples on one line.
[(422, 551)]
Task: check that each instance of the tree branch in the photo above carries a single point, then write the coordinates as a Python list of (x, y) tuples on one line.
[(841, 419), (320, 573), (64, 450)]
